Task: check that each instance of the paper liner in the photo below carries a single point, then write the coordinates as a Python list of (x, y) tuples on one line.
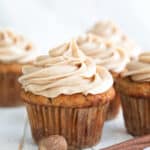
[(9, 90), (82, 127), (136, 113), (113, 108)]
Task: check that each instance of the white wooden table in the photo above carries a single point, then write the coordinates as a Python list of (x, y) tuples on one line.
[(13, 121)]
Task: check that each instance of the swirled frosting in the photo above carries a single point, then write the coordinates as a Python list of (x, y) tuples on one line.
[(139, 70), (14, 47), (103, 52), (66, 70), (109, 31)]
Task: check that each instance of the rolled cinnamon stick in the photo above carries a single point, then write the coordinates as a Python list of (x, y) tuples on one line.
[(137, 144)]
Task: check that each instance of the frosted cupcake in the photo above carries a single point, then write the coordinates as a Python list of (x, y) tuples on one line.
[(66, 94), (112, 33), (15, 50), (134, 88), (104, 54)]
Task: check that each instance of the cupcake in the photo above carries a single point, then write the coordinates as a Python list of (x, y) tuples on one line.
[(113, 34), (15, 50), (66, 94), (112, 58), (134, 88)]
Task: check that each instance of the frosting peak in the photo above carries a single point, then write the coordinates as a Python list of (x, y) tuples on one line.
[(66, 70), (14, 47), (74, 52), (139, 70)]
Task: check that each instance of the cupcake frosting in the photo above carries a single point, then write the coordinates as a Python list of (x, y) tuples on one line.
[(66, 70), (14, 47), (139, 70), (109, 31), (103, 53)]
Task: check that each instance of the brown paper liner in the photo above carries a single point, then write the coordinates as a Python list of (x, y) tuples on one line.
[(136, 112), (82, 127), (113, 108), (9, 89)]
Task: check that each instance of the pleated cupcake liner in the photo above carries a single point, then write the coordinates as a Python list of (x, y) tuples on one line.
[(82, 127), (136, 112), (114, 107), (9, 90)]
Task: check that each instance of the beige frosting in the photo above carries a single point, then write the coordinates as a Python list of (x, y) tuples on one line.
[(103, 53), (66, 70), (14, 47), (109, 31), (139, 70)]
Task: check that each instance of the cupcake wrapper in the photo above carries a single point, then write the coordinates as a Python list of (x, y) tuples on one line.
[(113, 108), (81, 127), (9, 90), (136, 113)]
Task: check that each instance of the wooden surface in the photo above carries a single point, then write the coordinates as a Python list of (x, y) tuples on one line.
[(13, 122)]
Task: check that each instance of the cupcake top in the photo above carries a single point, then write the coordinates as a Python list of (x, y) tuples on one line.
[(14, 47), (66, 70), (111, 32), (103, 52), (139, 70)]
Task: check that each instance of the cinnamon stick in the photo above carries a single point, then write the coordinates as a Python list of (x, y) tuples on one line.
[(137, 144)]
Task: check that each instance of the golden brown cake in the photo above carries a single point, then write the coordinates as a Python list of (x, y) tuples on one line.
[(134, 88), (66, 94), (14, 51), (105, 54)]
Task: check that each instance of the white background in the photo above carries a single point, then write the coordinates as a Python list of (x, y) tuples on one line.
[(49, 22)]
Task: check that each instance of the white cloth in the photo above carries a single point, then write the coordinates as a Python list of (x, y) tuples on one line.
[(13, 120)]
